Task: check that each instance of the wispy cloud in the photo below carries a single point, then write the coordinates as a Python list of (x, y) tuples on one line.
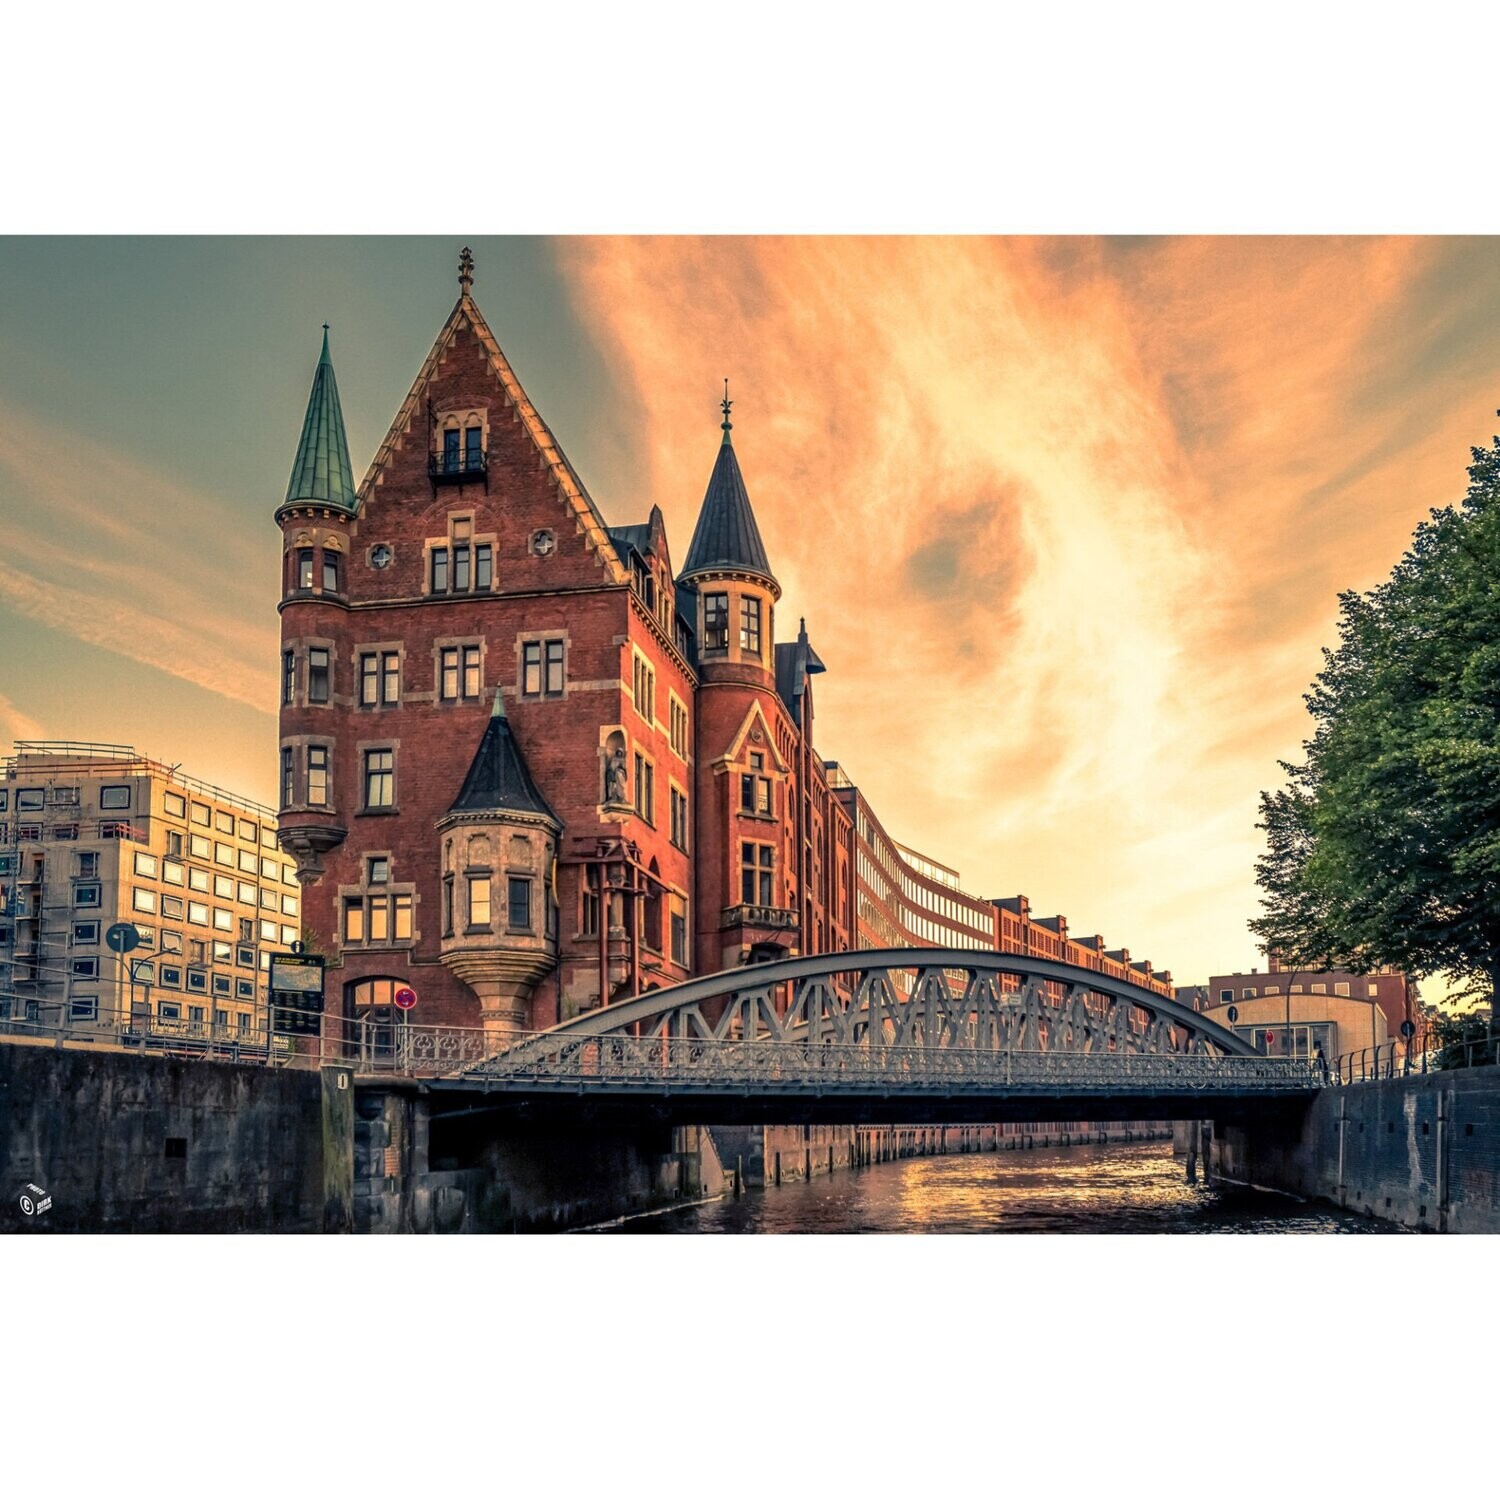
[(102, 548), (16, 724)]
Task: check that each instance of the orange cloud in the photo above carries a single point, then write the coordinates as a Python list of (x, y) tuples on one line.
[(1067, 520)]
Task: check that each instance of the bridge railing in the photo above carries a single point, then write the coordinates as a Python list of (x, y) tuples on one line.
[(153, 1037), (1424, 1054), (408, 1051), (633, 1063)]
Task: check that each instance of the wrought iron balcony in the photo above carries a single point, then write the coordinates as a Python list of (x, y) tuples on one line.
[(744, 915), (455, 468)]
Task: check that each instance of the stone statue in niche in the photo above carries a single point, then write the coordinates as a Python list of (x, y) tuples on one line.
[(616, 783)]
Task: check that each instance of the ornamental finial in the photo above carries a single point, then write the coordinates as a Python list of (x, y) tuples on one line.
[(724, 406), (465, 269)]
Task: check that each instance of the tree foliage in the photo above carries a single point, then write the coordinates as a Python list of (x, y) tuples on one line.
[(1383, 847)]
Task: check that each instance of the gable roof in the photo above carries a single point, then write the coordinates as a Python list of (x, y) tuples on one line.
[(755, 713), (466, 312)]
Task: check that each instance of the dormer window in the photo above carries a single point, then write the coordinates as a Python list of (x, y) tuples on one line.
[(463, 450), (459, 449), (755, 788)]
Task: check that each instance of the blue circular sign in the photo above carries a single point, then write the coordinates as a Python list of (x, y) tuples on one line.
[(122, 937)]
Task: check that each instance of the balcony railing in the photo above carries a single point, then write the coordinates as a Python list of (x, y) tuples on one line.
[(454, 468), (744, 915)]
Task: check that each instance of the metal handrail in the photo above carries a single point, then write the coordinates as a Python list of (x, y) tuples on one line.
[(540, 1059), (457, 463), (179, 1038), (1420, 1055)]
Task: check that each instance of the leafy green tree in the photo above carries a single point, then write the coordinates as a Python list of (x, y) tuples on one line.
[(1461, 1041), (1383, 848)]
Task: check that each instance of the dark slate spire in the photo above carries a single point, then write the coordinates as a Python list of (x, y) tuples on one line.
[(321, 473), (726, 537), (498, 781)]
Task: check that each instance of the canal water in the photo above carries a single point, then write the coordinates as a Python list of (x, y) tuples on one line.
[(1138, 1188)]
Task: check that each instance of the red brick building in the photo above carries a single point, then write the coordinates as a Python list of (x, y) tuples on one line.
[(527, 764)]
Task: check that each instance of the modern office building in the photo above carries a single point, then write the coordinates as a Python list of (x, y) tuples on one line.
[(1281, 990), (92, 835), (903, 898)]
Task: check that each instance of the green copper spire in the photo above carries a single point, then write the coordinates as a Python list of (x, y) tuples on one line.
[(321, 473)]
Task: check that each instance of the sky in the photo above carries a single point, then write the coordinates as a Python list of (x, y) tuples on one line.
[(1067, 518)]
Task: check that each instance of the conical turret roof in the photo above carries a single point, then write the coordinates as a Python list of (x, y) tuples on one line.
[(321, 473), (726, 537), (498, 780)]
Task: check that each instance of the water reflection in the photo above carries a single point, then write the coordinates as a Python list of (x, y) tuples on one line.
[(1132, 1189)]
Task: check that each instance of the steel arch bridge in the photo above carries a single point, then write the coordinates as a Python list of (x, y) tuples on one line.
[(973, 1034)]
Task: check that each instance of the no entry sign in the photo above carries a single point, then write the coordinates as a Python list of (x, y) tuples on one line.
[(405, 997)]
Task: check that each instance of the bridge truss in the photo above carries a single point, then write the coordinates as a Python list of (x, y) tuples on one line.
[(927, 1022)]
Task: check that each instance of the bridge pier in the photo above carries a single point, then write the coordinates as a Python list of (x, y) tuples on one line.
[(425, 1168)]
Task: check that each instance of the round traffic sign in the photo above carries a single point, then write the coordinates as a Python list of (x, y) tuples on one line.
[(122, 937), (1408, 1029), (1233, 1013), (1270, 1039), (405, 997)]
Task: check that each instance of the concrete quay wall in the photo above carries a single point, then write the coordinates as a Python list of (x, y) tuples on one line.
[(124, 1143), (1423, 1151)]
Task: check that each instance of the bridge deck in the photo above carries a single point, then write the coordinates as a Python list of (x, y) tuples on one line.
[(710, 1081)]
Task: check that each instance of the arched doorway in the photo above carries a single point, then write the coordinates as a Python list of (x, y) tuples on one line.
[(371, 1018)]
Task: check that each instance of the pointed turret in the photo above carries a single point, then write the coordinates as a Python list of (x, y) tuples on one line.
[(498, 780), (726, 538), (321, 473), (498, 851)]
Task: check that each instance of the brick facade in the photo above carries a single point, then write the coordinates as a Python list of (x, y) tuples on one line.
[(630, 693)]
